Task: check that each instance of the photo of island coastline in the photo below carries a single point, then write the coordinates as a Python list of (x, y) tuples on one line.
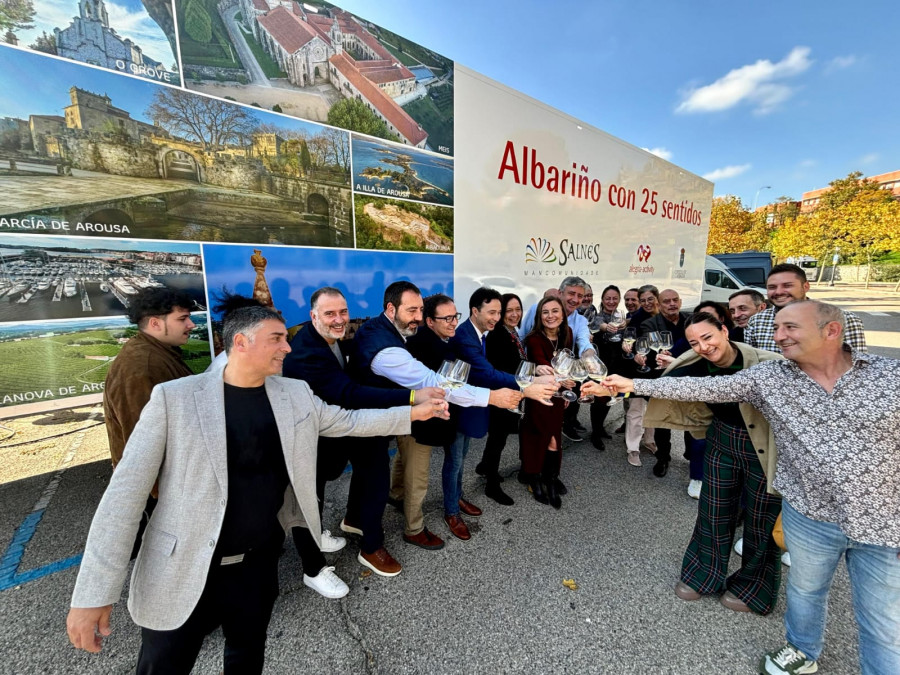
[(315, 61), (392, 224), (87, 152), (50, 360), (385, 170), (68, 277), (136, 37)]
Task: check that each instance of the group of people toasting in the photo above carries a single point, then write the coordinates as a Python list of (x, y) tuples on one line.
[(505, 370)]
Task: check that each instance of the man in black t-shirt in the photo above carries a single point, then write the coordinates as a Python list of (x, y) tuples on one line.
[(228, 447)]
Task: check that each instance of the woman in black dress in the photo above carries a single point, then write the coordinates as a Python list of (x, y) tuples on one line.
[(505, 351)]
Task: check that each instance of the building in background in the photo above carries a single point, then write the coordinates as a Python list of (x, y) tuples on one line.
[(886, 181)]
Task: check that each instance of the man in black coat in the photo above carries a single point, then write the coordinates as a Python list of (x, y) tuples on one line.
[(319, 356), (670, 318)]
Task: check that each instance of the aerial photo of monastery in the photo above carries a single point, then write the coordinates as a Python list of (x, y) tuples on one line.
[(319, 62)]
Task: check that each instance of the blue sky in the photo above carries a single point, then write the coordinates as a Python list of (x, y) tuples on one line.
[(36, 84), (749, 94), (127, 17)]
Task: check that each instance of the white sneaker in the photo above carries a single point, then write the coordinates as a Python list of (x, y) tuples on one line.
[(330, 543), (739, 546), (786, 558), (694, 488), (327, 584), (634, 458)]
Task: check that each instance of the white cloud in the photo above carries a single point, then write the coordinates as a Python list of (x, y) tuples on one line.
[(757, 83), (727, 172), (660, 152), (807, 163), (841, 62), (870, 158)]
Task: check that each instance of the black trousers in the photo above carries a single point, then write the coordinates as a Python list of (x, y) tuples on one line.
[(237, 597), (501, 423), (663, 439), (598, 409)]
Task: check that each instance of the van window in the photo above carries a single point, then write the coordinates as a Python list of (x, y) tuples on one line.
[(751, 276), (720, 280)]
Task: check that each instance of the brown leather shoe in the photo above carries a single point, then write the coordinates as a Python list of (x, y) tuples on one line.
[(685, 592), (425, 539), (733, 602), (469, 508), (458, 527), (381, 562)]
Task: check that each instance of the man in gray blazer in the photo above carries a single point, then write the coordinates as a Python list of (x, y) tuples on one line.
[(226, 447)]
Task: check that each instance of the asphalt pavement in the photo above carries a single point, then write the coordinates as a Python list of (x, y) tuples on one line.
[(496, 603)]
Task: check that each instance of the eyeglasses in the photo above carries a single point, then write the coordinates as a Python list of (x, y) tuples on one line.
[(450, 318)]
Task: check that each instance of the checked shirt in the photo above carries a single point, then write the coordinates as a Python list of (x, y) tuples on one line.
[(760, 331)]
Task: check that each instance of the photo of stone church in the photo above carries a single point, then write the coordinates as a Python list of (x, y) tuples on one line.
[(317, 61), (134, 37)]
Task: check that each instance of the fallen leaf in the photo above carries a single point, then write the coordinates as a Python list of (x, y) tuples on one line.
[(365, 573), (570, 584)]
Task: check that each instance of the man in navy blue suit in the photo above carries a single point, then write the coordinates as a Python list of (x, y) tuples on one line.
[(319, 357), (468, 344)]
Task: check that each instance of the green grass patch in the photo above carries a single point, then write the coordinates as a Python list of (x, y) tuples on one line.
[(218, 52), (438, 124), (402, 57), (267, 63), (33, 366)]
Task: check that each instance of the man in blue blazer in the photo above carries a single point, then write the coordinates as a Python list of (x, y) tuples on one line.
[(319, 356), (468, 344)]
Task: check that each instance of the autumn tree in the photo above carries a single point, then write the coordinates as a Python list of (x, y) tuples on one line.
[(733, 229), (353, 114), (15, 15), (210, 122), (867, 226)]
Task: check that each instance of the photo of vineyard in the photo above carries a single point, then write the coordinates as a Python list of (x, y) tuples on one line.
[(47, 361)]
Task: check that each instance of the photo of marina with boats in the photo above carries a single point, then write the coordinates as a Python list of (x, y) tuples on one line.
[(56, 278)]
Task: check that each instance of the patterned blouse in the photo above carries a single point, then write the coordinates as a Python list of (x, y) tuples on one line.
[(838, 453), (760, 331)]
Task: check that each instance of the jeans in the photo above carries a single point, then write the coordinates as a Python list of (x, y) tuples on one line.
[(452, 473), (816, 549)]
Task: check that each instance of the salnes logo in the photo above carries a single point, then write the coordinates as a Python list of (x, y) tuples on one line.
[(539, 250), (643, 253)]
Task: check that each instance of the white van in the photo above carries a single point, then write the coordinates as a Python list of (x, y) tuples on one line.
[(719, 282)]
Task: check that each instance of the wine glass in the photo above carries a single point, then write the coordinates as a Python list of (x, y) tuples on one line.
[(642, 347), (628, 338), (562, 363), (444, 374), (459, 375), (596, 371), (524, 377), (579, 373), (594, 324), (617, 319), (665, 344)]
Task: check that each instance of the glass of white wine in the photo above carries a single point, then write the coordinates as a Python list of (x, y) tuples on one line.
[(642, 347), (562, 363), (596, 371), (579, 373), (459, 374), (444, 374), (665, 344), (628, 338), (617, 319), (524, 377)]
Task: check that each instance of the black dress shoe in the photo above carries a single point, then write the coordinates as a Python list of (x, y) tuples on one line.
[(396, 503), (495, 492), (553, 494), (537, 489), (560, 488), (602, 433), (598, 443), (621, 429), (661, 468), (522, 477), (480, 470)]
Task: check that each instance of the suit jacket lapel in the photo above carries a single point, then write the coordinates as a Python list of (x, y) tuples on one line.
[(210, 402)]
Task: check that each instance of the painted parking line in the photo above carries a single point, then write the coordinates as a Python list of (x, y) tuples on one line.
[(10, 576)]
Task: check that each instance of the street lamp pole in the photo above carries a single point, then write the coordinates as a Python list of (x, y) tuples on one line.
[(756, 198)]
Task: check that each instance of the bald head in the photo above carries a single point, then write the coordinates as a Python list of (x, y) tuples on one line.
[(670, 304), (808, 331)]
